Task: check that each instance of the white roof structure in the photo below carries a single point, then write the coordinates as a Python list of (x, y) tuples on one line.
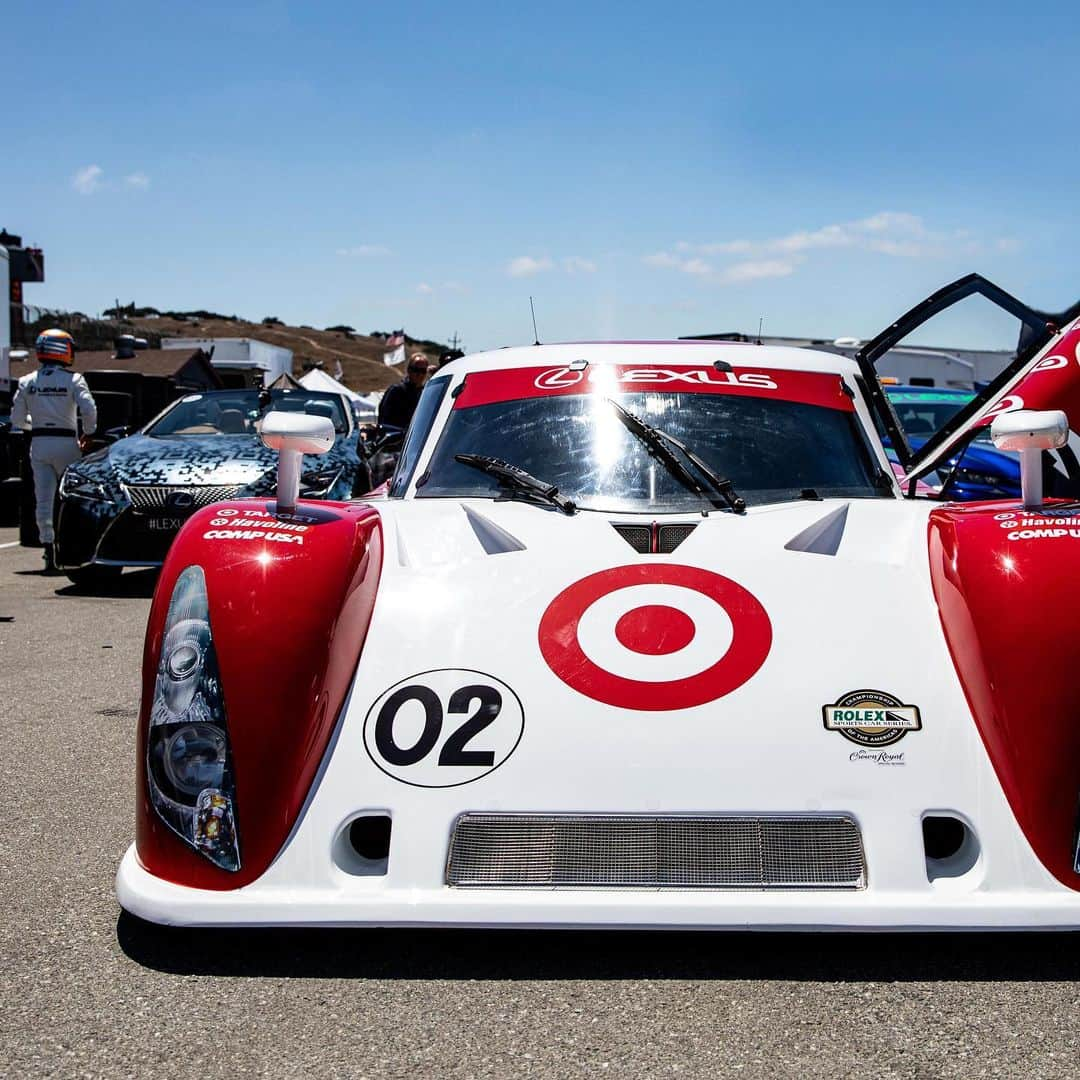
[(316, 379)]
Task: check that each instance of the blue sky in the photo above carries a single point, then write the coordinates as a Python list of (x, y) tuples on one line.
[(643, 172)]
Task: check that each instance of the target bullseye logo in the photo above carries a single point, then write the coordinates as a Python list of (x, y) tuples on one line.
[(656, 637)]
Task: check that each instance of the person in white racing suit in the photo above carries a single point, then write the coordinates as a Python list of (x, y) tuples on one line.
[(48, 403)]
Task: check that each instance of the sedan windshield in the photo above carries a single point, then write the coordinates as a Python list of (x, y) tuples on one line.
[(770, 449), (235, 412)]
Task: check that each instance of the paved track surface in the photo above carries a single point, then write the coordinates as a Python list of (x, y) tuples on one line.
[(86, 991)]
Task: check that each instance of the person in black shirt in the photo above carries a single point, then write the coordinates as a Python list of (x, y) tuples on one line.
[(399, 402)]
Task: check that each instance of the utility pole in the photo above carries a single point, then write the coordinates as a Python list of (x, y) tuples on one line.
[(455, 342)]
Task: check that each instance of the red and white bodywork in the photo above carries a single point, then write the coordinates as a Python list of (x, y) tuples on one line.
[(824, 712)]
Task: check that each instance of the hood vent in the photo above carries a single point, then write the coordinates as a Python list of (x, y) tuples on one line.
[(655, 539), (493, 539), (824, 536)]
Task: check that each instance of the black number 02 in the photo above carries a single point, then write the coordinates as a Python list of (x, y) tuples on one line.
[(453, 751)]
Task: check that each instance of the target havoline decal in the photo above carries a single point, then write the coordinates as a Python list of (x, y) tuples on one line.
[(444, 728), (871, 718), (655, 637)]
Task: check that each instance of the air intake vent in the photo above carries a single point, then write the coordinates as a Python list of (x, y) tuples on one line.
[(655, 539), (639, 537), (671, 536), (639, 851)]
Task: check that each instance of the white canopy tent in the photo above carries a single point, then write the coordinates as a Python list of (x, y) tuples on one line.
[(364, 406)]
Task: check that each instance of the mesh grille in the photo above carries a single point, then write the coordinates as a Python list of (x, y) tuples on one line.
[(671, 536), (156, 496), (570, 851), (668, 538), (637, 536)]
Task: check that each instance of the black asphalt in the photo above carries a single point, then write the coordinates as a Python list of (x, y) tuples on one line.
[(88, 991)]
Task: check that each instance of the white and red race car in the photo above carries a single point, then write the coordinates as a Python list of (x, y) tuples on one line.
[(641, 635)]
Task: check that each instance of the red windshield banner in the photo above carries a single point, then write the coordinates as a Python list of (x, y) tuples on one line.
[(512, 384)]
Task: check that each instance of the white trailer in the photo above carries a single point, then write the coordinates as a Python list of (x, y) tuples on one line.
[(932, 367), (245, 355)]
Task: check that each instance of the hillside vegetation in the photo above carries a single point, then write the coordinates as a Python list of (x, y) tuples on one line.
[(361, 357)]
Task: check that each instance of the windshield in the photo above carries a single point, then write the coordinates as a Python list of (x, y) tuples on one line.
[(771, 449), (921, 413), (234, 412)]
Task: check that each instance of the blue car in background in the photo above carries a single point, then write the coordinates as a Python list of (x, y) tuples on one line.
[(984, 472)]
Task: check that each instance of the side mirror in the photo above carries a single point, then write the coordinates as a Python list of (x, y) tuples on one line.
[(293, 435), (1030, 433)]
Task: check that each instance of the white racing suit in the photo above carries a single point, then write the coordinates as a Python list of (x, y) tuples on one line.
[(47, 402)]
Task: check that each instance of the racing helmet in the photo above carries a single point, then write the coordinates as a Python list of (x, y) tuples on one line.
[(55, 346)]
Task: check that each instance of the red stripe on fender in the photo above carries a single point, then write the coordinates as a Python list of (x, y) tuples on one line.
[(513, 384), (288, 621), (1006, 585)]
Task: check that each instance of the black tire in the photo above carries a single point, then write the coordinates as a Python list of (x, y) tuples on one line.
[(89, 576)]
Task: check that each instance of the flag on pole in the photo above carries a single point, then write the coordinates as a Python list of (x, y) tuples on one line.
[(395, 357)]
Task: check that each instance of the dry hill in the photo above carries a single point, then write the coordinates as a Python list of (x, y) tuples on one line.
[(361, 357)]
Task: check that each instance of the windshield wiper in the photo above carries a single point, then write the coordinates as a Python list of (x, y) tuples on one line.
[(659, 443), (514, 479)]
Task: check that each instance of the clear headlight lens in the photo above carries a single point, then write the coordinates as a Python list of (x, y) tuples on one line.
[(319, 482), (970, 476), (189, 762), (74, 485), (194, 758)]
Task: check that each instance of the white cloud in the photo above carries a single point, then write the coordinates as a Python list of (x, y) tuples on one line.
[(427, 288), (668, 261), (526, 266), (137, 180), (889, 232), (756, 270), (663, 259), (88, 179), (725, 247), (364, 251), (575, 264)]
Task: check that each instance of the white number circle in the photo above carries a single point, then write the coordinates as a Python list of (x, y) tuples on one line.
[(444, 728)]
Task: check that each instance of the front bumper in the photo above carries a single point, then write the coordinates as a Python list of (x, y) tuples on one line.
[(364, 902), (107, 534)]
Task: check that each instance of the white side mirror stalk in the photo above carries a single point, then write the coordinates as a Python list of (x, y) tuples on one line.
[(1030, 433), (293, 435)]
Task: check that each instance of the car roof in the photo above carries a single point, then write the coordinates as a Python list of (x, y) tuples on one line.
[(695, 353)]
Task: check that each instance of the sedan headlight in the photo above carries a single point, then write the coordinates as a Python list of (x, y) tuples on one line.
[(189, 761), (76, 485), (319, 482), (971, 476)]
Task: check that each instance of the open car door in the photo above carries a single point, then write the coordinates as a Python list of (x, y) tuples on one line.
[(1045, 374)]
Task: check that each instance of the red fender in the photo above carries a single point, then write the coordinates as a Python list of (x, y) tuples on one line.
[(1007, 588), (289, 612)]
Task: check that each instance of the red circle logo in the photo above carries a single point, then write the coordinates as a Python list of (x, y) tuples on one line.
[(665, 626)]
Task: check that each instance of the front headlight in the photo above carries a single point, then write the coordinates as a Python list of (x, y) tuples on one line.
[(970, 476), (75, 485), (189, 762), (319, 482)]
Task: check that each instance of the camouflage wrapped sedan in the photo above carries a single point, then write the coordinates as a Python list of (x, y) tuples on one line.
[(123, 505)]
